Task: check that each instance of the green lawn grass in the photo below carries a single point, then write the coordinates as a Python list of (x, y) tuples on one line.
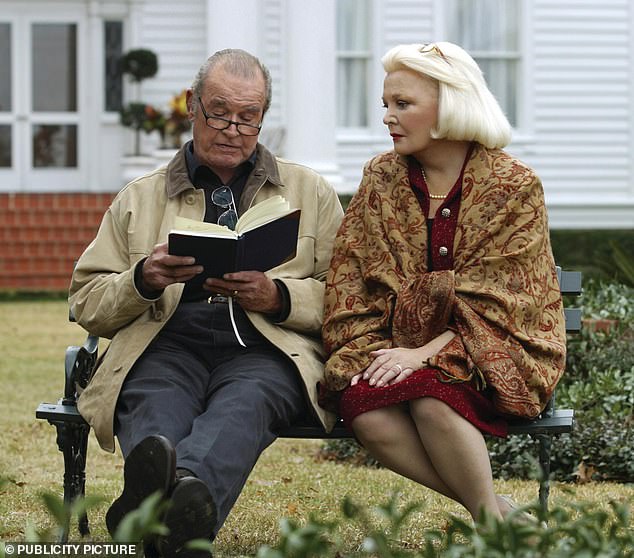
[(288, 480)]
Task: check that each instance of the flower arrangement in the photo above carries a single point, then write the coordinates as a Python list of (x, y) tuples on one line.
[(177, 122), (140, 116), (170, 125)]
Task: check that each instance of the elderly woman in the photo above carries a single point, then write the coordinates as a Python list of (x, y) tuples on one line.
[(443, 316)]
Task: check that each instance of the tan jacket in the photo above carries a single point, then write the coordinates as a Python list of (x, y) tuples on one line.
[(105, 301)]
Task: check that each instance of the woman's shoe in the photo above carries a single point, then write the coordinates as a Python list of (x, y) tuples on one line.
[(519, 515)]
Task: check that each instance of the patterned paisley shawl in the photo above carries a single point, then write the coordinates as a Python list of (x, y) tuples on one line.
[(502, 297)]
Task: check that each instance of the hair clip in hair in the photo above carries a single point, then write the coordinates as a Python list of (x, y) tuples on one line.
[(433, 47)]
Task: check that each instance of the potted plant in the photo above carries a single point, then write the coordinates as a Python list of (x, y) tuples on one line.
[(139, 64)]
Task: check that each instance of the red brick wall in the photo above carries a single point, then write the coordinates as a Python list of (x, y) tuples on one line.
[(42, 235)]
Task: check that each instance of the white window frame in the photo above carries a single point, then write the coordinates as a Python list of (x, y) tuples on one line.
[(368, 56), (523, 126)]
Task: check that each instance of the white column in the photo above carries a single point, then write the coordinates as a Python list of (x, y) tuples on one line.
[(309, 117), (92, 101), (233, 24)]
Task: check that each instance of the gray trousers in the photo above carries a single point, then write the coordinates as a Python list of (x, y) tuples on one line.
[(218, 403)]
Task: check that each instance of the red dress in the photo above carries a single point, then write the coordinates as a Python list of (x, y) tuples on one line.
[(473, 405)]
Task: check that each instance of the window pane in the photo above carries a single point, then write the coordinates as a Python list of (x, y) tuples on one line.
[(353, 20), (501, 77), (489, 31), (55, 145), (353, 55), (5, 145), (352, 93), (113, 48), (489, 25), (54, 67), (5, 67)]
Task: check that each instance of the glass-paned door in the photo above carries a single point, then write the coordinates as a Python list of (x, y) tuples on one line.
[(8, 173), (40, 146)]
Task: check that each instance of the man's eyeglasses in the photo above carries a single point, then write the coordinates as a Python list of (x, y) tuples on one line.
[(223, 197), (432, 47), (218, 123)]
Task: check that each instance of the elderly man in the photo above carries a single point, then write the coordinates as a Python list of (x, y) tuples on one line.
[(194, 392)]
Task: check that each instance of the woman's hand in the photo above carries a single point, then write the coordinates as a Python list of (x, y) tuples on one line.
[(391, 366)]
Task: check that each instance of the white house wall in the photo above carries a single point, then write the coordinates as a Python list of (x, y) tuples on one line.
[(582, 93), (272, 16), (576, 116), (180, 36)]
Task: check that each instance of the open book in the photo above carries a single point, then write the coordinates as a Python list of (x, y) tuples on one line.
[(265, 237)]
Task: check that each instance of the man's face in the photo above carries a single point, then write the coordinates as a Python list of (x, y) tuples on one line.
[(232, 98)]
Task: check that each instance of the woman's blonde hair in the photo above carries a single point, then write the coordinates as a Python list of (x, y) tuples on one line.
[(467, 110)]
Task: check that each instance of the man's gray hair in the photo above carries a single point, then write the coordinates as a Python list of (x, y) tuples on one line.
[(237, 62)]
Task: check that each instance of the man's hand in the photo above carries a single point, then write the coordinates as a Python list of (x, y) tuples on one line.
[(161, 269), (252, 289)]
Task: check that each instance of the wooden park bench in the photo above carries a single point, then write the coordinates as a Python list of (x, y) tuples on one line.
[(73, 431)]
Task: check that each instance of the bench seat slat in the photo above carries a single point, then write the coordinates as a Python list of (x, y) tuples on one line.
[(58, 412), (573, 320), (560, 422), (570, 282)]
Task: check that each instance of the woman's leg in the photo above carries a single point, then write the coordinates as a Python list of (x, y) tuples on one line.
[(458, 453), (390, 435)]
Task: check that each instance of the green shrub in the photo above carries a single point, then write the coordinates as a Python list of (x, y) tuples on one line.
[(597, 253), (573, 530), (599, 385), (604, 300), (577, 530)]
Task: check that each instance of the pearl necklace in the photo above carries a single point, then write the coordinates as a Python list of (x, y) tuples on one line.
[(432, 196)]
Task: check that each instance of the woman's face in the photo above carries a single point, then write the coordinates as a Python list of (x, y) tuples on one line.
[(411, 110)]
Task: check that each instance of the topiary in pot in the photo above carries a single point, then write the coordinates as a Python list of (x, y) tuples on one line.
[(140, 64)]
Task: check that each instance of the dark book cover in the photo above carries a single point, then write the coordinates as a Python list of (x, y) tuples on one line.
[(259, 249)]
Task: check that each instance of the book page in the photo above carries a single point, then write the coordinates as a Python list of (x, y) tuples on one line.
[(191, 226), (263, 212)]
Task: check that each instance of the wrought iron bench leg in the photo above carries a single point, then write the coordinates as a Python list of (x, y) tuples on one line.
[(545, 441), (72, 441)]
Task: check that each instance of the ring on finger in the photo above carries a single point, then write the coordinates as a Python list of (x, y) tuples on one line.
[(400, 368)]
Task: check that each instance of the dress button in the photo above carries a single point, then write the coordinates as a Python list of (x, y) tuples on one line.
[(158, 315), (446, 212), (443, 251), (190, 200)]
